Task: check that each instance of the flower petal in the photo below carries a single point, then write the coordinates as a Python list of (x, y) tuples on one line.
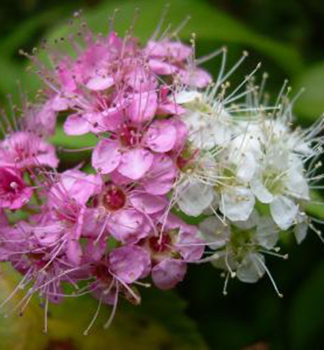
[(161, 136), (194, 198), (159, 179), (129, 263), (237, 203), (168, 273), (98, 83), (147, 203), (251, 270), (143, 107), (215, 232), (75, 124), (135, 163), (106, 156), (260, 191), (283, 211)]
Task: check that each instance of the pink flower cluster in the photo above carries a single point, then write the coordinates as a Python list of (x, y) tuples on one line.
[(112, 227)]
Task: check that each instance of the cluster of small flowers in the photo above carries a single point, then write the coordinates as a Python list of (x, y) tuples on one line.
[(169, 140)]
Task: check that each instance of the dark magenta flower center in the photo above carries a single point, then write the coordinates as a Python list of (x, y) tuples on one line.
[(9, 182), (160, 245), (129, 136), (114, 198)]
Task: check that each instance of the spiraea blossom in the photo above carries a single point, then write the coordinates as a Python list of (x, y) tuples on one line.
[(173, 148)]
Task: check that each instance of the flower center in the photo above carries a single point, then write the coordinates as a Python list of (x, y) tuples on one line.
[(10, 183), (274, 182), (159, 245), (129, 136), (114, 198)]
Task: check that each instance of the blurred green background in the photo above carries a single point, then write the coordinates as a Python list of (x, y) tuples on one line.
[(288, 37)]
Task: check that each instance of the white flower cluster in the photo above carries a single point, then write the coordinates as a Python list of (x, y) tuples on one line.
[(248, 174)]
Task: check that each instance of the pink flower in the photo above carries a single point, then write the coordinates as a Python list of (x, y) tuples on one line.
[(23, 149), (168, 273), (129, 263), (67, 199), (132, 150), (161, 175), (171, 250), (41, 119), (173, 58), (14, 192), (74, 185), (127, 211)]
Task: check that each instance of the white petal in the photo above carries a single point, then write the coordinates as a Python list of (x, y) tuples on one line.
[(247, 167), (213, 230), (283, 211), (187, 97), (194, 198), (297, 184), (248, 224), (237, 203), (266, 233), (251, 269), (300, 231), (260, 191)]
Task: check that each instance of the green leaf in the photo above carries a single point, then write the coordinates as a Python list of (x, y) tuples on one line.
[(306, 317), (316, 207), (310, 105), (72, 142), (29, 27), (158, 323), (11, 73)]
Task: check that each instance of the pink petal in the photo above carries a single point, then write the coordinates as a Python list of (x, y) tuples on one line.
[(99, 83), (112, 118), (148, 203), (162, 68), (3, 219), (199, 77), (73, 252), (142, 107), (119, 179), (46, 155), (161, 136), (135, 163), (128, 226), (168, 273), (76, 124), (60, 103), (168, 49), (65, 75), (170, 108), (95, 250), (140, 80), (106, 156), (159, 179), (182, 133), (190, 246), (92, 225), (129, 263), (75, 184)]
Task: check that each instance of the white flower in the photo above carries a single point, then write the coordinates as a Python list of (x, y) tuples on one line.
[(194, 197), (251, 269), (209, 124), (237, 203), (280, 182), (238, 245), (214, 232)]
